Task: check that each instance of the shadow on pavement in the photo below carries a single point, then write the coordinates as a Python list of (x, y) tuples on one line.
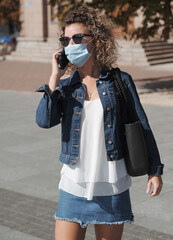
[(156, 84)]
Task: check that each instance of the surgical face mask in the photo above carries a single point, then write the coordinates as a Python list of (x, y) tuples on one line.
[(78, 54)]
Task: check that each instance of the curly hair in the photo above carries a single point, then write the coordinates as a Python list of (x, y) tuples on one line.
[(101, 28)]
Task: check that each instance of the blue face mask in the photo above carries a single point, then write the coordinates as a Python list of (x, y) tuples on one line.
[(77, 54)]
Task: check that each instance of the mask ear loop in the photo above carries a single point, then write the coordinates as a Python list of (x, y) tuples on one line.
[(93, 46)]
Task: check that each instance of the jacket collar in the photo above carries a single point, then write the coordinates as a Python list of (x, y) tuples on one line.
[(105, 73), (74, 78)]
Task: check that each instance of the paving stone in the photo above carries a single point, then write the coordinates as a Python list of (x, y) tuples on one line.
[(29, 167), (11, 234), (29, 223)]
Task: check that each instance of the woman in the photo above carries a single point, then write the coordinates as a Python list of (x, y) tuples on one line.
[(94, 185)]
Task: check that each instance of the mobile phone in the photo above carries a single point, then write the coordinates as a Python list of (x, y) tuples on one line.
[(62, 60)]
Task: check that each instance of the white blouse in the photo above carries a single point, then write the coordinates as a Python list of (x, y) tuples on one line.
[(93, 175)]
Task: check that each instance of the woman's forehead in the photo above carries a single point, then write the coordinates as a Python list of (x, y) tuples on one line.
[(76, 28)]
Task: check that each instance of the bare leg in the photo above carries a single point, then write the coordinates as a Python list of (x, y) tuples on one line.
[(109, 232), (65, 230)]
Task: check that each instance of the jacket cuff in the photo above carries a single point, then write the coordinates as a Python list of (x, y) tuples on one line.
[(45, 88), (156, 170)]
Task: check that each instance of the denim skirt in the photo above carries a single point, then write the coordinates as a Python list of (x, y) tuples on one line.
[(114, 209)]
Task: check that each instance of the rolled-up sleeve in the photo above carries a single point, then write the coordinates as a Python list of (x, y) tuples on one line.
[(155, 165), (49, 110)]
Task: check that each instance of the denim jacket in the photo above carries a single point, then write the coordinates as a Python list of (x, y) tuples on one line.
[(65, 105)]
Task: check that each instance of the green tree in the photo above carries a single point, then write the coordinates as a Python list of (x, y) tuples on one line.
[(157, 15), (64, 6), (9, 10)]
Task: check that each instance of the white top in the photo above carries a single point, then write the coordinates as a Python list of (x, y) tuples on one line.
[(93, 175)]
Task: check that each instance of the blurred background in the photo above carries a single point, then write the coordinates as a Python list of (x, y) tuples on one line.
[(29, 165), (144, 28)]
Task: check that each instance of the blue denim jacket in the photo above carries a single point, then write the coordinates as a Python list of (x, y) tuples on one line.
[(65, 105)]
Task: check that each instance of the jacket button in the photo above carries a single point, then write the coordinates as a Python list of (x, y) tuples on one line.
[(111, 156), (100, 82), (110, 142), (73, 160), (108, 108), (104, 93), (109, 125)]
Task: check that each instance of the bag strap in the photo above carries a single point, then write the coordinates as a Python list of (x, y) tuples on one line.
[(123, 94)]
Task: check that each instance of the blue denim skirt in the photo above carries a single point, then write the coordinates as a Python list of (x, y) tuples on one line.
[(114, 209)]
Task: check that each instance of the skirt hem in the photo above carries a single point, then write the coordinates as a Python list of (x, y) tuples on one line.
[(84, 225)]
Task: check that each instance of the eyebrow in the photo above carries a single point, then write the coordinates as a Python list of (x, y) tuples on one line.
[(87, 34)]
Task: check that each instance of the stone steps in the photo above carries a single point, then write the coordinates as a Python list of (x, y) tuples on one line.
[(130, 53), (16, 57), (161, 61), (158, 52), (38, 51), (157, 48)]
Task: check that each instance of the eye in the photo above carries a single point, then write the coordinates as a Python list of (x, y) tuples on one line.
[(77, 38), (64, 41)]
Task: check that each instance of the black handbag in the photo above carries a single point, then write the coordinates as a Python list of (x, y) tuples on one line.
[(136, 158)]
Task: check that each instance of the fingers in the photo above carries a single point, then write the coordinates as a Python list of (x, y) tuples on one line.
[(149, 185), (55, 55), (156, 191), (156, 182), (55, 64)]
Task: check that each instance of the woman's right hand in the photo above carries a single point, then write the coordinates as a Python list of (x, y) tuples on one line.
[(57, 73)]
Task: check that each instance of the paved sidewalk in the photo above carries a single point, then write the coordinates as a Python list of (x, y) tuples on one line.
[(29, 166), (32, 216), (27, 76)]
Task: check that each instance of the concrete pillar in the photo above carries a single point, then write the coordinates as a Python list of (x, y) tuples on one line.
[(53, 27), (32, 19)]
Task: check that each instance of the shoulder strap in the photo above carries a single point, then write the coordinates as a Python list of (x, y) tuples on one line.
[(122, 93), (118, 83)]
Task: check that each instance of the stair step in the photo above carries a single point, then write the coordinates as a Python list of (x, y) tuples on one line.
[(24, 58), (161, 61), (161, 55), (158, 52), (151, 53), (32, 54), (154, 43), (37, 57), (35, 50), (165, 47)]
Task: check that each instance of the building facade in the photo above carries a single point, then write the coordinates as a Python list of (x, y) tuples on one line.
[(39, 36)]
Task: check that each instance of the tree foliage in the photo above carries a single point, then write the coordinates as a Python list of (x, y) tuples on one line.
[(157, 15), (9, 10)]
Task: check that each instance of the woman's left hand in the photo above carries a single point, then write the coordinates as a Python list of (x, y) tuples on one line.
[(156, 182)]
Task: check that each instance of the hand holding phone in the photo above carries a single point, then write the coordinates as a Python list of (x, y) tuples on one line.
[(62, 60)]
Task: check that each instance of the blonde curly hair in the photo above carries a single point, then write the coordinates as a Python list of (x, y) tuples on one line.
[(101, 28)]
